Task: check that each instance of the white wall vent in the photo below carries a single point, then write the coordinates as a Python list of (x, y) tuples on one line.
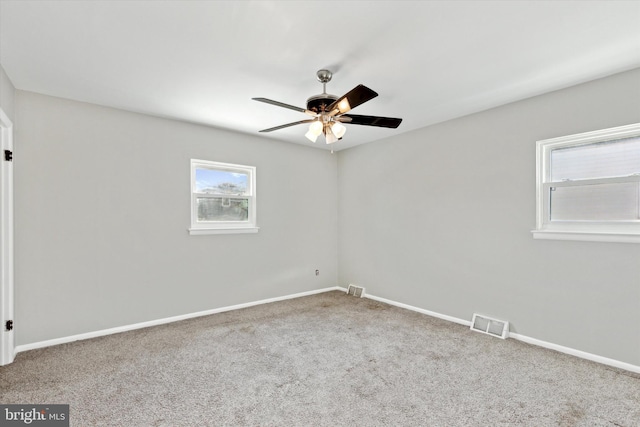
[(356, 291), (489, 326)]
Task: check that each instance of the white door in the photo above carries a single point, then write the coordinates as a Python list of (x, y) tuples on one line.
[(6, 240)]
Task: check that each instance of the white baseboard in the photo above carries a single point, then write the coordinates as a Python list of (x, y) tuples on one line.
[(562, 349), (421, 310), (523, 338), (577, 353), (103, 332)]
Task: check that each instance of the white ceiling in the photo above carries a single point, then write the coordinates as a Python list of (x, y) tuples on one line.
[(203, 61)]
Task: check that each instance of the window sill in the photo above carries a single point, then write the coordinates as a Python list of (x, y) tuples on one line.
[(243, 230), (586, 237)]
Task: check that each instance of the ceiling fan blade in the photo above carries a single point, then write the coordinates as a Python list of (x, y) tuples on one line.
[(356, 96), (383, 122), (283, 105), (287, 125)]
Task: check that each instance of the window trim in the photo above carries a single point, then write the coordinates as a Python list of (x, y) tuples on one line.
[(596, 231), (223, 227)]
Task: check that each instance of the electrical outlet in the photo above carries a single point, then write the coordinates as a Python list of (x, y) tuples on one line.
[(317, 272)]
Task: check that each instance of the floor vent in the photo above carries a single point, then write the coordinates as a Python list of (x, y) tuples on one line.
[(356, 291), (489, 326)]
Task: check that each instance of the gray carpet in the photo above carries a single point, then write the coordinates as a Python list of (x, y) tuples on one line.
[(323, 360)]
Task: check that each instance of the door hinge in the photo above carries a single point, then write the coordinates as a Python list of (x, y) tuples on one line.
[(9, 325), (8, 155)]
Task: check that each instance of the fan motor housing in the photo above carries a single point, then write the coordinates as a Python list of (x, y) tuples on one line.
[(319, 103)]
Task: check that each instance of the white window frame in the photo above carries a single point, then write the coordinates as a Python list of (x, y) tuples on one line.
[(601, 231), (223, 227)]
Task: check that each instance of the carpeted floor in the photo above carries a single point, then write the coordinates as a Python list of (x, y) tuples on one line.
[(323, 360)]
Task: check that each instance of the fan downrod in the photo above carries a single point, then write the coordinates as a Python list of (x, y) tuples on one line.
[(318, 103)]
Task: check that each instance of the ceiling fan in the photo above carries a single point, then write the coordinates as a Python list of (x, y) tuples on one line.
[(328, 112)]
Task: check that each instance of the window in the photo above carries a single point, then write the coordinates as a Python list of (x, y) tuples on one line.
[(223, 198), (588, 186)]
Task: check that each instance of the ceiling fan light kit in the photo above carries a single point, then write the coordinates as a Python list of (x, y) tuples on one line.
[(329, 112), (315, 129)]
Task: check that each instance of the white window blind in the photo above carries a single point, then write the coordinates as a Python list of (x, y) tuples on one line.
[(600, 160), (618, 201), (583, 190)]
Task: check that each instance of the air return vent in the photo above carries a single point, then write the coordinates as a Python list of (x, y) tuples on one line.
[(489, 326), (356, 291)]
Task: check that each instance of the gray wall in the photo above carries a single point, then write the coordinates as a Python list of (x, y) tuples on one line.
[(7, 93), (440, 218), (102, 211)]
